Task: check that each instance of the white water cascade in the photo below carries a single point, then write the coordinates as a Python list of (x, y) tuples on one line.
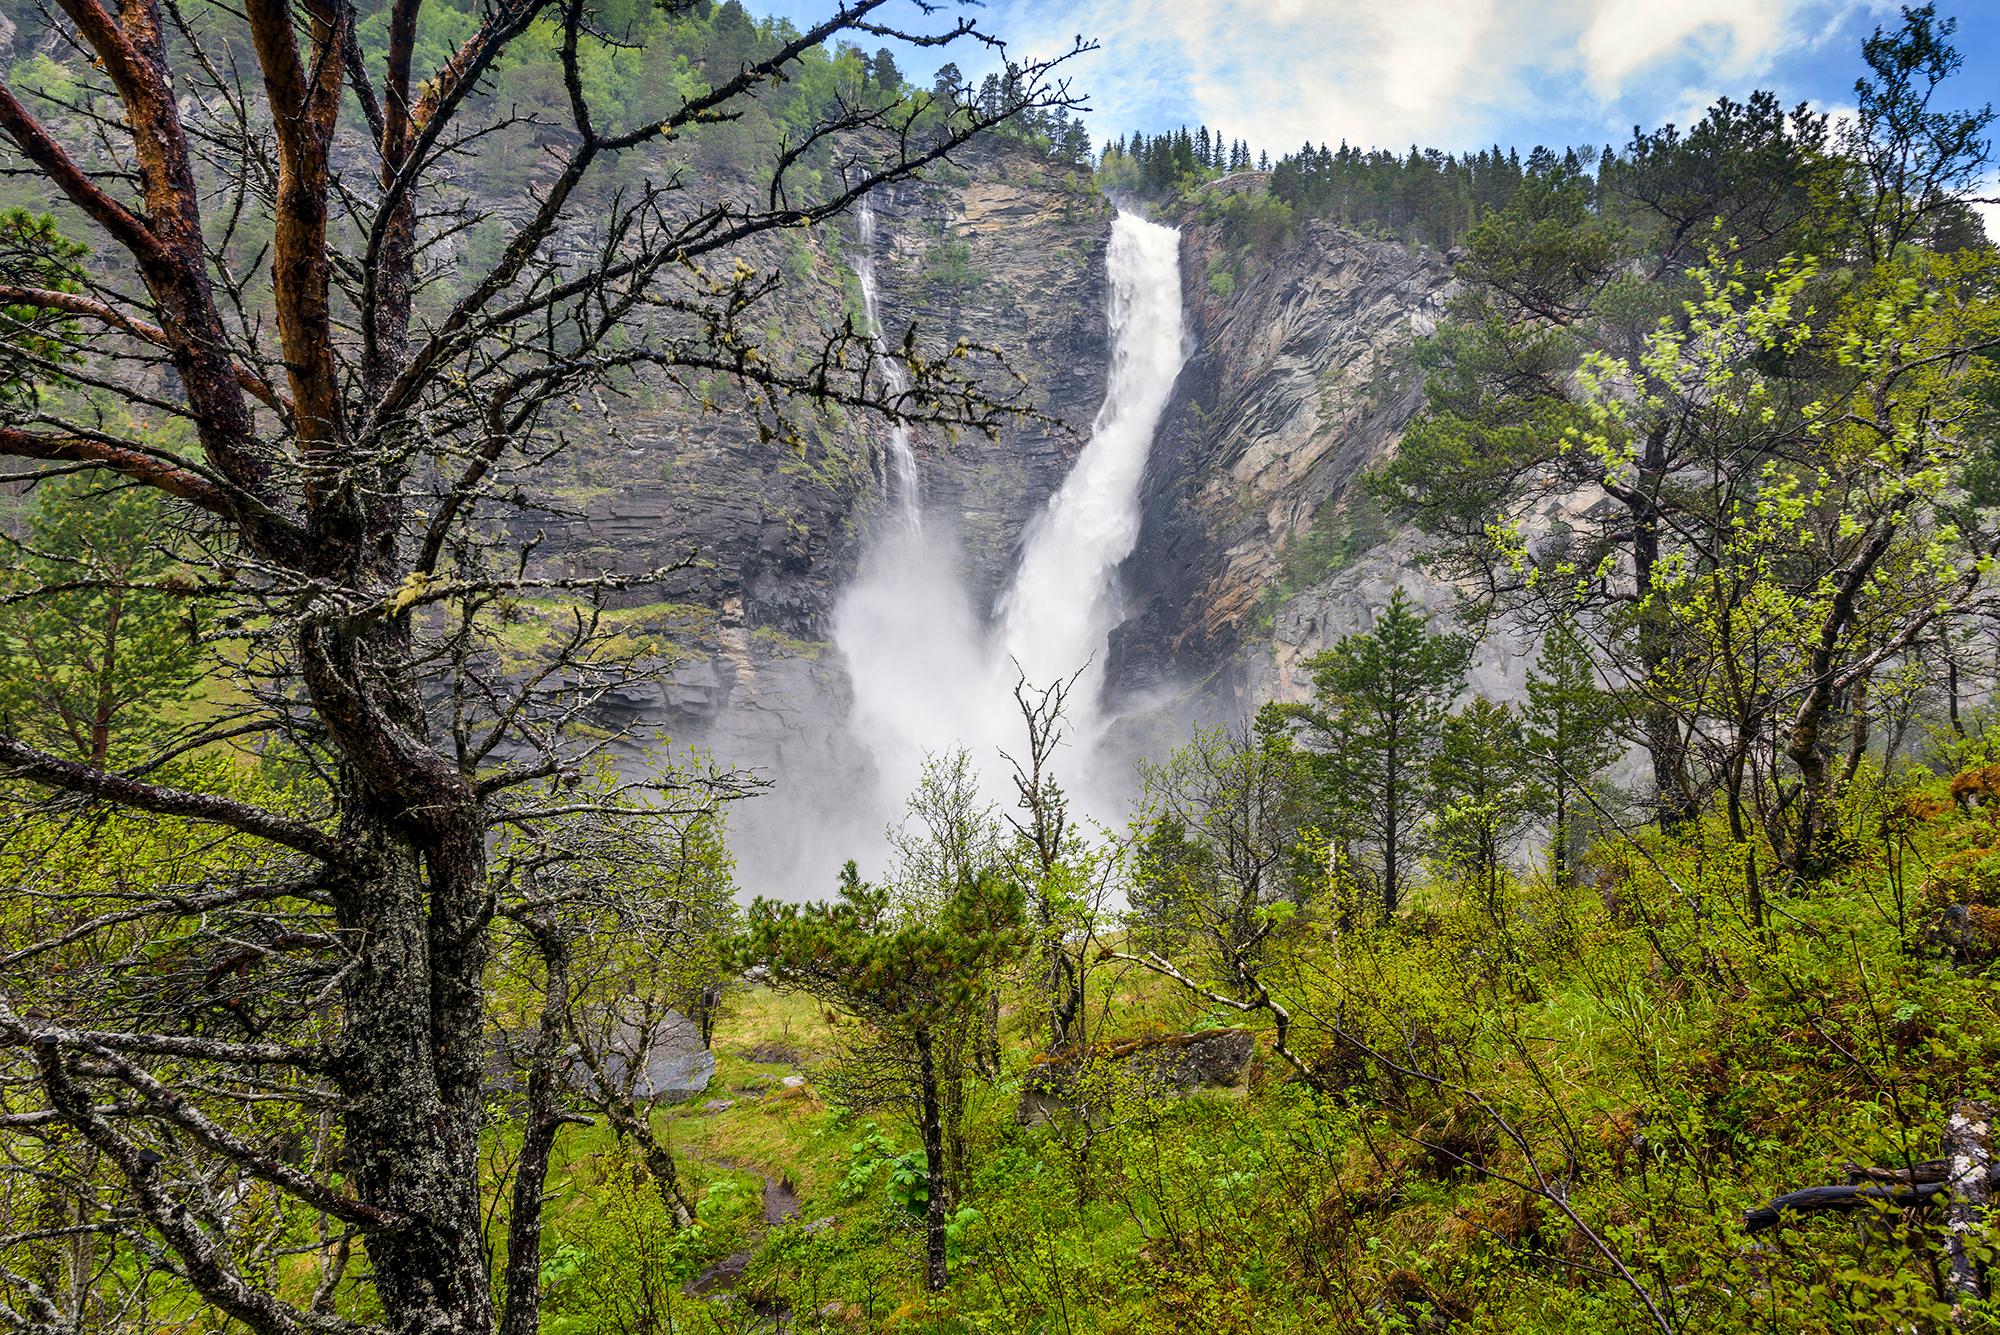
[(905, 483), (930, 673), (1061, 606)]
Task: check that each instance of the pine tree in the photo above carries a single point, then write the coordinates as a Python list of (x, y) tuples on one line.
[(883, 73), (1570, 720), (1380, 702), (95, 647), (1485, 793), (916, 980)]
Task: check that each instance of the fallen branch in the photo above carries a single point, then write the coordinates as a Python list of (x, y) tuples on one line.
[(1964, 1179), (1821, 1200)]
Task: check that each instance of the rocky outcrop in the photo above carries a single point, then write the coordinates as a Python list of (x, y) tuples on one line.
[(1011, 255), (666, 1062), (1001, 250), (1301, 379), (1163, 1064)]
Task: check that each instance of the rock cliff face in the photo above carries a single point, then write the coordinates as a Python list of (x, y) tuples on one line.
[(1000, 252), (1012, 257), (1300, 380), (1257, 546)]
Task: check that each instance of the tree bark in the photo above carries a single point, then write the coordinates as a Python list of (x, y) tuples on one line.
[(1673, 804), (412, 1120), (523, 1276), (1391, 849), (1968, 1153), (936, 1274)]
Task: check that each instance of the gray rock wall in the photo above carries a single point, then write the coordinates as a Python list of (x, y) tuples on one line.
[(1301, 380)]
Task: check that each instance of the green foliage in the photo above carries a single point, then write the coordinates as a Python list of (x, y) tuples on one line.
[(95, 639), (1219, 826), (948, 268), (615, 1259), (895, 969), (1918, 158), (1512, 1101), (1691, 408), (1664, 1068), (1254, 225), (916, 975), (1570, 739), (1547, 249), (1340, 534), (1486, 797), (33, 254), (1381, 697)]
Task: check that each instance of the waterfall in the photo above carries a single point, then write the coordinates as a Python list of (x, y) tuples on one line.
[(904, 482), (1061, 607), (929, 673)]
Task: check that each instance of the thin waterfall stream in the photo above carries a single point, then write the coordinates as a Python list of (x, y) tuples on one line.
[(905, 482), (931, 673)]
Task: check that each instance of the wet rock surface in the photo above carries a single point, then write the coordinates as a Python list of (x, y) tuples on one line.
[(666, 1062), (1163, 1064), (1299, 381)]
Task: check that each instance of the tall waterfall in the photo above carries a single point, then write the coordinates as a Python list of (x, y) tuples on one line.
[(905, 483), (929, 672), (1061, 607)]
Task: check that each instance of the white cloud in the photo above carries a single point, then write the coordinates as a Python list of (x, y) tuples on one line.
[(1736, 37), (1283, 71), (1392, 72)]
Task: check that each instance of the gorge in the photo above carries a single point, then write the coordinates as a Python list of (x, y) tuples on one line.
[(932, 672), (1143, 548), (542, 539)]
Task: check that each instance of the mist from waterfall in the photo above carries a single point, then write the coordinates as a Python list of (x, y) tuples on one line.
[(929, 671)]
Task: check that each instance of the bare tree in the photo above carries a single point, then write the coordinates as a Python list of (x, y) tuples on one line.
[(1069, 880), (620, 927), (1220, 834), (344, 409)]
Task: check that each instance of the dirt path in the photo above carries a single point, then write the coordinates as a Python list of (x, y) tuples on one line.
[(780, 1203)]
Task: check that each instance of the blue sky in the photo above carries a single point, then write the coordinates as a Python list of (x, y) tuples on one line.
[(1452, 74)]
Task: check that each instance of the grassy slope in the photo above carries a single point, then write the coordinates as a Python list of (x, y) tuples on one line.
[(1662, 1063)]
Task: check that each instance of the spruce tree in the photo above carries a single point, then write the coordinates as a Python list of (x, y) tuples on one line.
[(1570, 736), (1380, 701)]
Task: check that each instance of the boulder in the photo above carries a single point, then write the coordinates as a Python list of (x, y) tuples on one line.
[(1159, 1064), (667, 1064)]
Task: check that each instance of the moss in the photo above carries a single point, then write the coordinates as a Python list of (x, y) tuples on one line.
[(948, 268), (1341, 533), (780, 645)]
